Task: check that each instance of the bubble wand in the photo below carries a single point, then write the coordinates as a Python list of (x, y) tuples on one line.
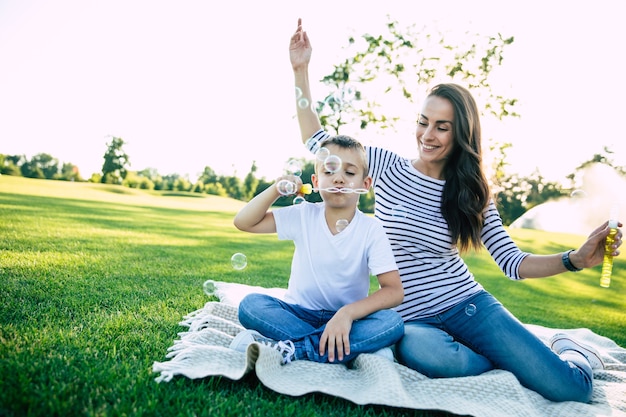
[(286, 187)]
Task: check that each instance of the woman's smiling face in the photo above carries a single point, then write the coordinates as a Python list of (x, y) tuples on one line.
[(435, 135)]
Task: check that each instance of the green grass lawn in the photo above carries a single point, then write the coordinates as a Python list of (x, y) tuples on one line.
[(94, 280)]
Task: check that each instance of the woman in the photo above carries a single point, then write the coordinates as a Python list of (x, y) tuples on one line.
[(433, 208)]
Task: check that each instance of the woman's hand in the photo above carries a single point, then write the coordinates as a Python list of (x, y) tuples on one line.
[(591, 253)]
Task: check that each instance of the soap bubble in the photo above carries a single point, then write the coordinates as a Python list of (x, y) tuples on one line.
[(299, 200), (239, 261), (341, 225), (303, 103), (399, 211), (298, 92), (322, 153), (470, 310), (286, 187), (209, 288), (332, 163), (578, 194), (293, 167)]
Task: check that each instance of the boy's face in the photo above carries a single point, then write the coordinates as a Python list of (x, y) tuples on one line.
[(350, 175)]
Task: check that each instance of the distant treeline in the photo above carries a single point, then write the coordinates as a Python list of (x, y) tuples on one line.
[(45, 166), (514, 194)]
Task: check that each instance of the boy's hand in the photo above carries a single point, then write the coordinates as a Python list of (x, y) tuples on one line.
[(336, 336), (291, 178)]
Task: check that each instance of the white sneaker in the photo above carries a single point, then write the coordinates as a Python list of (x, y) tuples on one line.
[(560, 342), (246, 337)]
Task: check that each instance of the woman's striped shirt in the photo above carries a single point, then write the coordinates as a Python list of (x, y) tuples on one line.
[(408, 203)]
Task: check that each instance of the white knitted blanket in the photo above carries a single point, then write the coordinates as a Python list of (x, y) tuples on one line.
[(203, 351)]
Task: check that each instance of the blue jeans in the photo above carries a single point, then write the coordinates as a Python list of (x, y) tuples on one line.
[(479, 335), (279, 320)]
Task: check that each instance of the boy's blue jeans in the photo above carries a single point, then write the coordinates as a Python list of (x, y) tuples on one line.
[(279, 320), (480, 335)]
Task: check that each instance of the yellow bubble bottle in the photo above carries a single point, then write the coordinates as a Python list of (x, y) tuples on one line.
[(607, 263)]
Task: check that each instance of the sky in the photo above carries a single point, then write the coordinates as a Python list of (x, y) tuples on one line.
[(194, 83)]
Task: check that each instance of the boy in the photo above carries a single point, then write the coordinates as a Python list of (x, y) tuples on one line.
[(327, 315)]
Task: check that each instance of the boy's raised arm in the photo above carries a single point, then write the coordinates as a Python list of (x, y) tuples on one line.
[(255, 216)]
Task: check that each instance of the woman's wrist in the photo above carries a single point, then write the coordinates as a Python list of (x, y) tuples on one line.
[(571, 262)]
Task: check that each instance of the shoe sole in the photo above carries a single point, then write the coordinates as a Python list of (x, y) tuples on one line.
[(239, 337), (583, 349)]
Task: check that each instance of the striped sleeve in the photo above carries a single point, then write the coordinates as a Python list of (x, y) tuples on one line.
[(313, 143), (502, 248)]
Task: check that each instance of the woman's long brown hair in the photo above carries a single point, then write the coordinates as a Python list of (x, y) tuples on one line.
[(466, 192)]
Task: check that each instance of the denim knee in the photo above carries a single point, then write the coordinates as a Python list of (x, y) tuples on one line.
[(434, 353), (250, 303)]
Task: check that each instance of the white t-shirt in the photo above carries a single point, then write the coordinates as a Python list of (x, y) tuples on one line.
[(329, 271)]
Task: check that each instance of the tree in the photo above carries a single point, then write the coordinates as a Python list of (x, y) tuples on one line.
[(602, 158), (10, 164), (514, 195), (208, 176), (215, 189), (383, 73), (42, 165), (153, 177), (401, 61), (135, 180), (116, 161), (182, 184), (30, 169), (70, 172), (233, 186), (250, 183)]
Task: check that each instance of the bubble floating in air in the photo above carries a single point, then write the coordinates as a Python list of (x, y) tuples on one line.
[(332, 163), (293, 167), (303, 103), (322, 153), (286, 187), (299, 200), (470, 310), (341, 225), (239, 261), (209, 288), (399, 211)]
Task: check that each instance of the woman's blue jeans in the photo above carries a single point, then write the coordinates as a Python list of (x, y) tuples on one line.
[(279, 320), (480, 335)]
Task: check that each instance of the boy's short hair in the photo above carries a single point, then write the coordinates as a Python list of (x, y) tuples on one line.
[(347, 142)]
